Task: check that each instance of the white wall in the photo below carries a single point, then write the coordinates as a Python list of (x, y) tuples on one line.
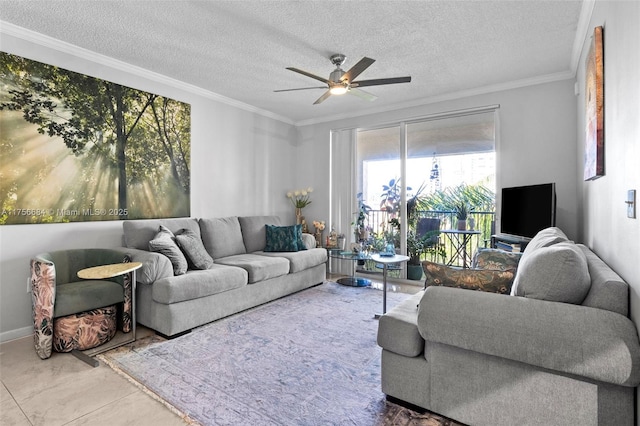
[(536, 142), (605, 226), (241, 164)]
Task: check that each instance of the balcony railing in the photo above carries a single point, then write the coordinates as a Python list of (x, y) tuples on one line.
[(378, 223)]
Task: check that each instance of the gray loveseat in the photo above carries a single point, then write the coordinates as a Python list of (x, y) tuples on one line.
[(242, 275), (555, 351)]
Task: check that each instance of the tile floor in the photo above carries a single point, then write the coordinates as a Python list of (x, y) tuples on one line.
[(63, 390)]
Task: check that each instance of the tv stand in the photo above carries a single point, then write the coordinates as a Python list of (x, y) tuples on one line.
[(509, 242)]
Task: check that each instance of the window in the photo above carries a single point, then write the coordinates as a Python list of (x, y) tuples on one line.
[(418, 158)]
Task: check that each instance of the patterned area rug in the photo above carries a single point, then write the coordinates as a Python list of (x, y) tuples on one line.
[(310, 358)]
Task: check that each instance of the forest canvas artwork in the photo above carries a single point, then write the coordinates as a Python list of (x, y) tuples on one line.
[(77, 148)]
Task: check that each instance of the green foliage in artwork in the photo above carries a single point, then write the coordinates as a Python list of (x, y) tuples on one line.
[(133, 138)]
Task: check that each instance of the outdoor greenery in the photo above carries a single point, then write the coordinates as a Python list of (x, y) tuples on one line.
[(476, 198), (461, 201)]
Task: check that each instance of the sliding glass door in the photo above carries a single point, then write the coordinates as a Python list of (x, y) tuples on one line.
[(411, 175)]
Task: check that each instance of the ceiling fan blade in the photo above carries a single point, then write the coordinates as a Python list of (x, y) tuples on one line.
[(357, 69), (323, 97), (363, 95), (308, 74), (380, 81), (301, 88)]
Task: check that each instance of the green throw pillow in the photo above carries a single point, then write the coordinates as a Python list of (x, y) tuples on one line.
[(300, 241), (496, 259), (471, 279), (284, 238)]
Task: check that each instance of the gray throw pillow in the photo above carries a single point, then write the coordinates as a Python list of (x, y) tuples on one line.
[(557, 273), (164, 243), (192, 246)]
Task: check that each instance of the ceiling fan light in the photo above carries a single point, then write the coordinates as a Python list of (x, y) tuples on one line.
[(338, 90)]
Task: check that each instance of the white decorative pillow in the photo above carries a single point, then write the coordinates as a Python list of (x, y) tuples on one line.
[(192, 246), (164, 243), (557, 273)]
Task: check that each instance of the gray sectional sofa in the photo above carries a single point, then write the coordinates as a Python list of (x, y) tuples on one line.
[(242, 275), (555, 351)]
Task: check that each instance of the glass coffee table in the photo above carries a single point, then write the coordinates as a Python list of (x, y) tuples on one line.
[(353, 257)]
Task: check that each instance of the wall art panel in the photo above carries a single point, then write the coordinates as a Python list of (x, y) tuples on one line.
[(77, 148)]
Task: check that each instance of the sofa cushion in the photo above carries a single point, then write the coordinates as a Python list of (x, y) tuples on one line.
[(284, 238), (198, 283), (86, 295), (557, 273), (164, 243), (492, 281), (398, 328), (222, 237), (138, 233), (254, 232), (495, 259), (300, 260), (545, 238), (258, 267), (191, 245)]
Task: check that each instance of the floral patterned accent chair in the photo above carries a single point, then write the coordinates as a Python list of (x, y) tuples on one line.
[(70, 313), (492, 270)]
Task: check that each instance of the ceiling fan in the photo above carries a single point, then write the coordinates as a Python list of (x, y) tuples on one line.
[(341, 82)]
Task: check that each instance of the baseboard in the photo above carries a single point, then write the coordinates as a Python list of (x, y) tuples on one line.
[(18, 333)]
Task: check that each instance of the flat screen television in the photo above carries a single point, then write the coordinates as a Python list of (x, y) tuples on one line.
[(528, 209)]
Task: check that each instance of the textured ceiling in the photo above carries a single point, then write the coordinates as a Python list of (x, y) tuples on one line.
[(239, 49)]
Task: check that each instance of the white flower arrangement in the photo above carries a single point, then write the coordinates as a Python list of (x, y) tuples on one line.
[(319, 225), (300, 197)]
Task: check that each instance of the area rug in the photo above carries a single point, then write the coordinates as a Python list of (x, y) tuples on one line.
[(310, 358)]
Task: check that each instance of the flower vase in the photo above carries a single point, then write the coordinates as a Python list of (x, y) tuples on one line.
[(299, 217), (318, 236)]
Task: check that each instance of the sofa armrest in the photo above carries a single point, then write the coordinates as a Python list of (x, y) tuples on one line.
[(572, 339), (43, 296), (309, 241), (155, 266)]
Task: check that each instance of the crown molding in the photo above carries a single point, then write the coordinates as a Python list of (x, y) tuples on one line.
[(548, 78), (582, 33), (79, 52), (64, 47)]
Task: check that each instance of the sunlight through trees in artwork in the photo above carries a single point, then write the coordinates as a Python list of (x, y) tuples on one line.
[(78, 148)]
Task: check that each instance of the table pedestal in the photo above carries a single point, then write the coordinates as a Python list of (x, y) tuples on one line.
[(104, 272), (354, 281), (386, 261)]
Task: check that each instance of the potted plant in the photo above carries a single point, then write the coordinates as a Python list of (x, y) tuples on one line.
[(362, 215), (415, 248), (462, 211)]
